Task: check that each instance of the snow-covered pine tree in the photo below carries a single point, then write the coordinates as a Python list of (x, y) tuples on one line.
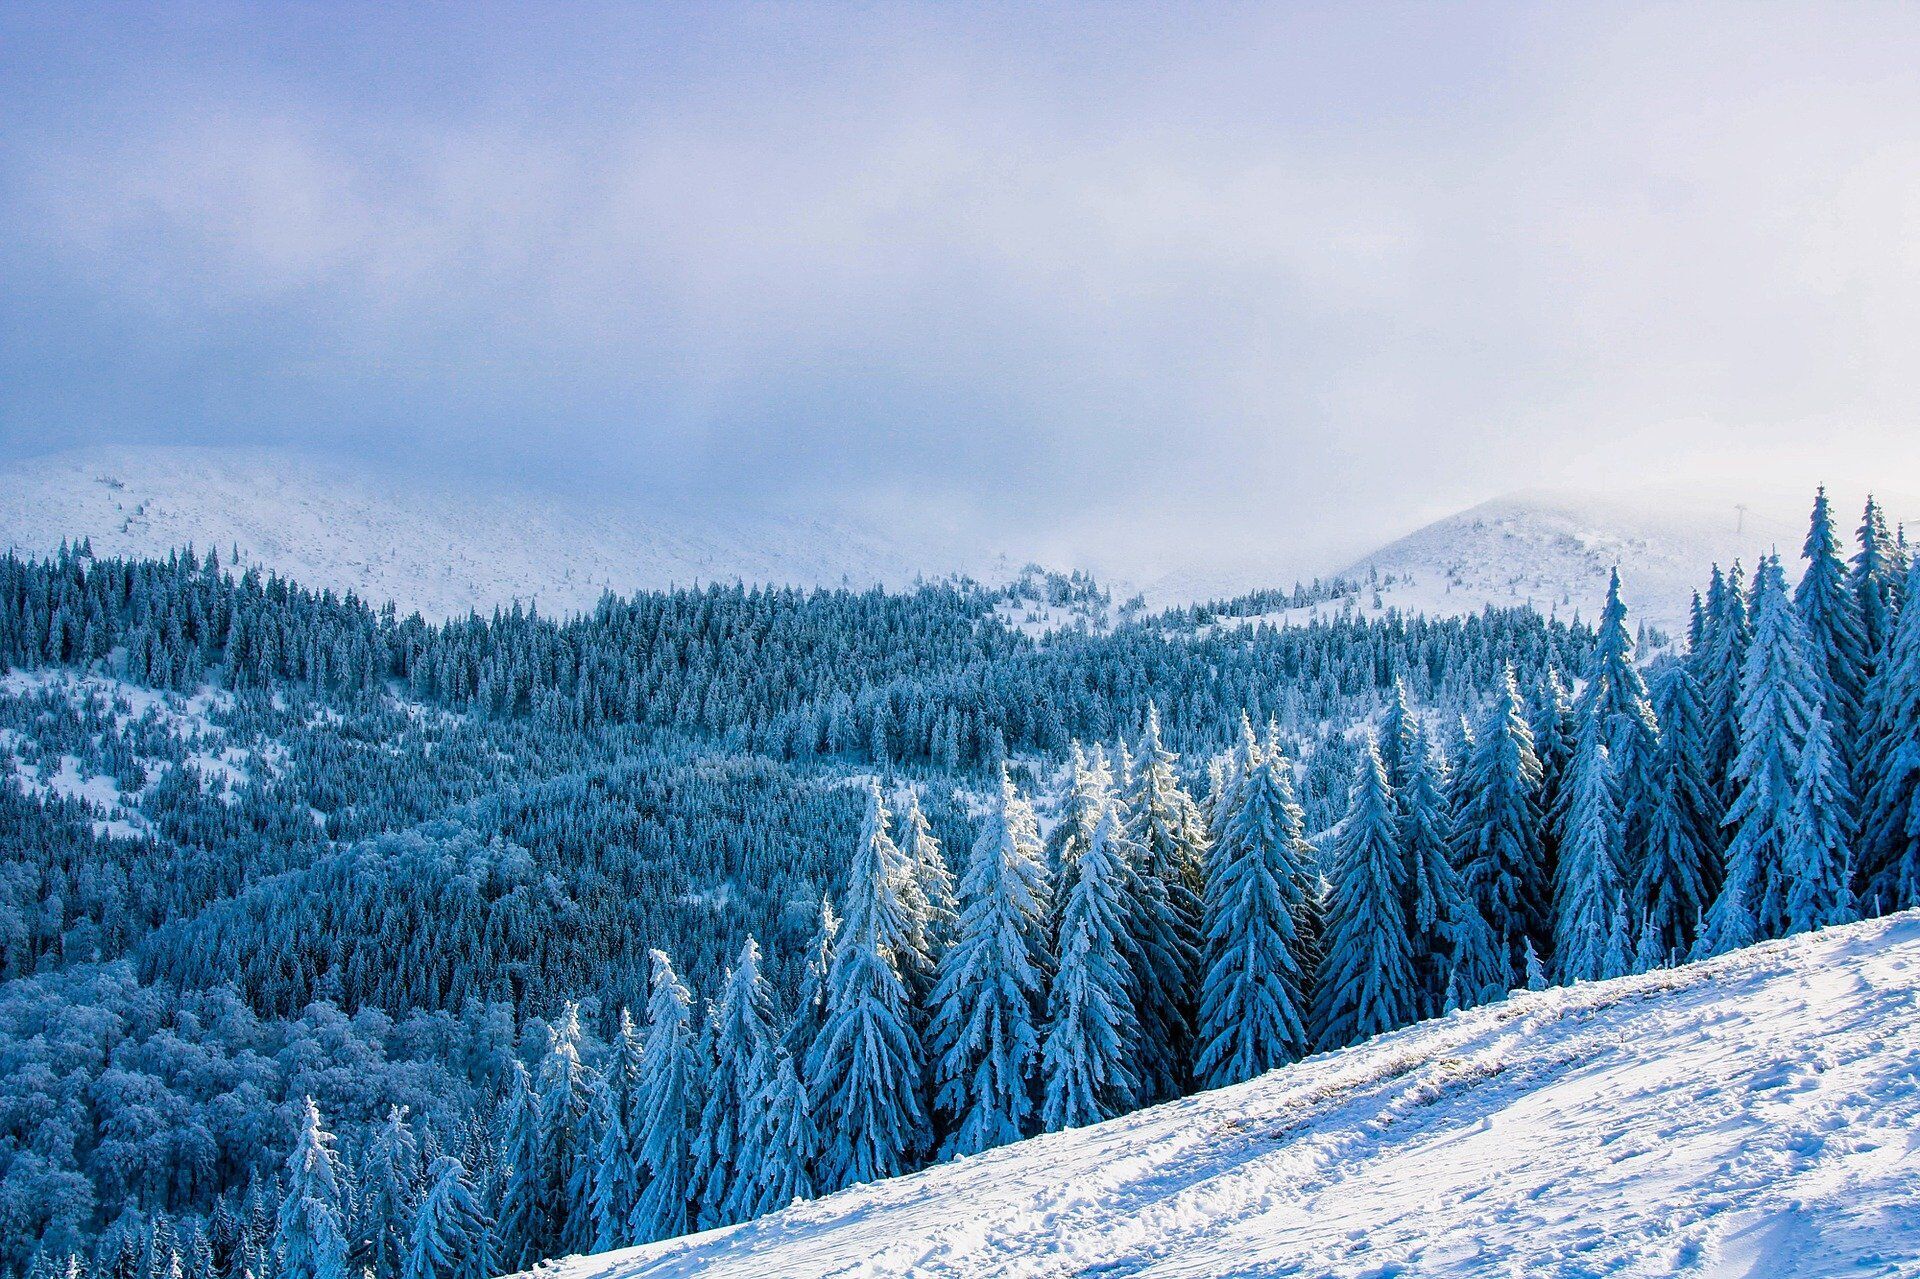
[(451, 1237), (864, 1070), (1254, 997), (616, 1162), (1089, 789), (666, 1112), (1435, 901), (567, 1088), (1779, 700), (1589, 892), (1819, 857), (310, 1239), (1616, 696), (1681, 870), (1889, 874), (1165, 918), (1400, 739), (1876, 582), (1089, 1050), (1718, 668), (988, 1002), (929, 894), (1830, 613), (810, 1006), (388, 1196), (781, 1157), (1496, 834), (1366, 979), (742, 1035), (1556, 731)]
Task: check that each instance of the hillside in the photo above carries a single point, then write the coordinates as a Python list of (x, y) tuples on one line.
[(435, 546), (1752, 1116)]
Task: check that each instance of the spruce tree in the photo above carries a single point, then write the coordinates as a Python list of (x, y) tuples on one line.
[(1254, 997), (310, 1240), (1090, 1046), (810, 1007), (863, 1074), (1830, 614), (1819, 859), (1435, 904), (1681, 871), (1166, 917), (666, 1066), (929, 892), (1589, 892), (1366, 982), (742, 1035), (782, 1157), (567, 1087), (616, 1162), (388, 1196), (450, 1237), (1718, 669), (1496, 832), (988, 1002), (1889, 875), (1616, 696), (1876, 582)]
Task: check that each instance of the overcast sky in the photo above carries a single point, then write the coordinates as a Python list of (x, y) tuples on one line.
[(1152, 274)]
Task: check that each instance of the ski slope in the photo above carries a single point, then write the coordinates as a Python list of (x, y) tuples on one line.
[(1754, 1116)]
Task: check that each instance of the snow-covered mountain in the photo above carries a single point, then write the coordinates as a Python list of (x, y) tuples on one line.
[(1750, 1116), (438, 546)]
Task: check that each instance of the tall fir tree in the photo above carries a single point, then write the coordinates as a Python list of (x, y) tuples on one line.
[(1616, 696), (616, 1163), (666, 1109), (1876, 582), (310, 1240), (742, 1036), (1819, 855), (1718, 668), (782, 1157), (988, 1003), (1889, 844), (1089, 1050), (1254, 998), (450, 1236), (1556, 731), (810, 1005), (567, 1087), (525, 1231), (1496, 833), (928, 891), (1435, 904), (1830, 613), (1366, 984), (1166, 916), (864, 1070), (1681, 871), (388, 1197), (1589, 891)]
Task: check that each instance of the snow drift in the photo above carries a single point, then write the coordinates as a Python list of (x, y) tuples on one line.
[(1752, 1116)]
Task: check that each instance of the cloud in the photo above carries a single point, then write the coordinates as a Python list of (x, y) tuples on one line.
[(1268, 278)]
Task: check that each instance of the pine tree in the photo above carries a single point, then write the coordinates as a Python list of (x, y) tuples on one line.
[(786, 1141), (1718, 669), (1089, 791), (666, 1064), (742, 1036), (1779, 702), (864, 1070), (1819, 860), (1830, 614), (310, 1241), (567, 1090), (1681, 871), (1254, 999), (526, 1231), (1876, 583), (1889, 841), (1496, 832), (810, 1008), (987, 1004), (1087, 1058), (1435, 902), (1616, 696), (450, 1236), (929, 893), (1556, 731), (1366, 985), (1589, 893), (389, 1196), (1165, 919), (616, 1161)]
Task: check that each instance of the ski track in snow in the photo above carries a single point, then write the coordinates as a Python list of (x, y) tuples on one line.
[(1751, 1117)]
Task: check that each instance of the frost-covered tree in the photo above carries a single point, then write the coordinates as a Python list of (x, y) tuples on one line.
[(1718, 668), (567, 1087), (450, 1237), (1681, 870), (310, 1240), (988, 1002), (1496, 833), (781, 1156), (388, 1196), (742, 1036), (810, 1007), (1556, 731), (1366, 980), (1779, 702), (864, 1070), (1830, 614), (525, 1230), (1818, 852), (1165, 919), (617, 1157), (1616, 697), (1089, 1050), (928, 892), (666, 1111), (1876, 582), (1435, 903), (1889, 842), (1589, 891), (1254, 997)]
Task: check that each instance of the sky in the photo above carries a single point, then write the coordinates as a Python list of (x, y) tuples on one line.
[(1172, 278)]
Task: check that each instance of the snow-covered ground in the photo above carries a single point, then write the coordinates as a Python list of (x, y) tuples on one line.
[(1754, 1116)]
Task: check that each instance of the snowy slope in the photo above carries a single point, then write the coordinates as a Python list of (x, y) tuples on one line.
[(1754, 1116), (1553, 550), (441, 548)]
